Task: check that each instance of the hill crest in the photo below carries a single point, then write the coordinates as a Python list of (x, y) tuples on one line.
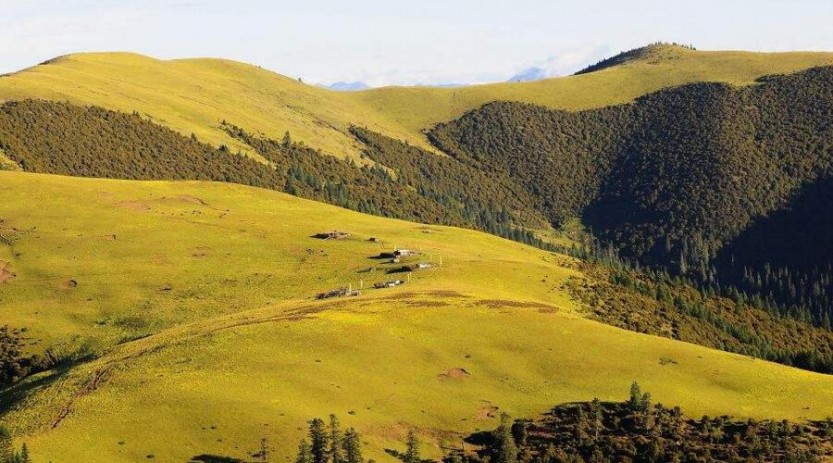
[(196, 95)]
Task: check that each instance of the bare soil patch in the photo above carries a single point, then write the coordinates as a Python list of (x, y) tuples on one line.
[(454, 373), (184, 199), (426, 304), (487, 411), (6, 274), (437, 294), (501, 304), (200, 251), (135, 206)]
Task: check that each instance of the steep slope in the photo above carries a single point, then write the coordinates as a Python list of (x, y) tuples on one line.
[(198, 302), (654, 52), (194, 96), (786, 255), (672, 178), (406, 183)]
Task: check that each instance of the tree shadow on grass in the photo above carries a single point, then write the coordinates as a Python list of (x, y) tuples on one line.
[(13, 395)]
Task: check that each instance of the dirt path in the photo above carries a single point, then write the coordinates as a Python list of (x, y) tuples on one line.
[(102, 370), (165, 339)]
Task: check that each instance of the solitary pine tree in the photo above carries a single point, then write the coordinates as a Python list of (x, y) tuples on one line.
[(635, 400), (318, 441), (287, 140), (411, 448), (23, 457)]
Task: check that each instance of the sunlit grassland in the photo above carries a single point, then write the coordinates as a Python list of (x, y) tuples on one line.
[(199, 300)]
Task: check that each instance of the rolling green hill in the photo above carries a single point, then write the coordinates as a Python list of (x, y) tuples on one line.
[(195, 96), (197, 301)]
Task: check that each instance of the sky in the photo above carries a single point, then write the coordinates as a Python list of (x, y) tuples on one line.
[(390, 42)]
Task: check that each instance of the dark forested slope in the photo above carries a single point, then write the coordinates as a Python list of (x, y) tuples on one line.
[(405, 182), (675, 178), (640, 431)]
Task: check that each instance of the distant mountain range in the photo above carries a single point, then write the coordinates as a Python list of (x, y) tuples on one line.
[(358, 86), (343, 86), (529, 75)]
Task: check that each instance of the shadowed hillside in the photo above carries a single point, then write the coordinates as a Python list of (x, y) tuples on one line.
[(787, 254), (671, 179)]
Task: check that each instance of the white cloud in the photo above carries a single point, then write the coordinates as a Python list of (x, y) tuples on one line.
[(403, 43), (569, 60)]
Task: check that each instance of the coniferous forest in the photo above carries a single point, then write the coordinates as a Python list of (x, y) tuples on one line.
[(635, 430), (640, 430), (412, 184), (705, 181)]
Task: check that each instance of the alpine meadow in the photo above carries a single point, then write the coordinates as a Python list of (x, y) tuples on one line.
[(205, 261)]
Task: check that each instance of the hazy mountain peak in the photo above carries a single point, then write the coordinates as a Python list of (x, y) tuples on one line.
[(529, 74), (343, 86)]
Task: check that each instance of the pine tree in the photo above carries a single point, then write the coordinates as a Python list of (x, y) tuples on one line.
[(507, 450), (336, 453), (645, 402), (304, 452), (352, 447), (550, 454), (635, 400), (287, 140), (318, 441), (596, 418), (6, 446), (23, 456), (411, 449)]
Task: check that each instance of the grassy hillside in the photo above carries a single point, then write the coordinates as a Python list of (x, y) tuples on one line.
[(198, 300), (194, 96)]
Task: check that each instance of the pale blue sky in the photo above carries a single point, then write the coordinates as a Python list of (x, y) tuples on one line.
[(391, 42)]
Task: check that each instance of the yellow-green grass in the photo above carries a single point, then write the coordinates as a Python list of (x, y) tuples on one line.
[(220, 279), (179, 252), (194, 96)]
